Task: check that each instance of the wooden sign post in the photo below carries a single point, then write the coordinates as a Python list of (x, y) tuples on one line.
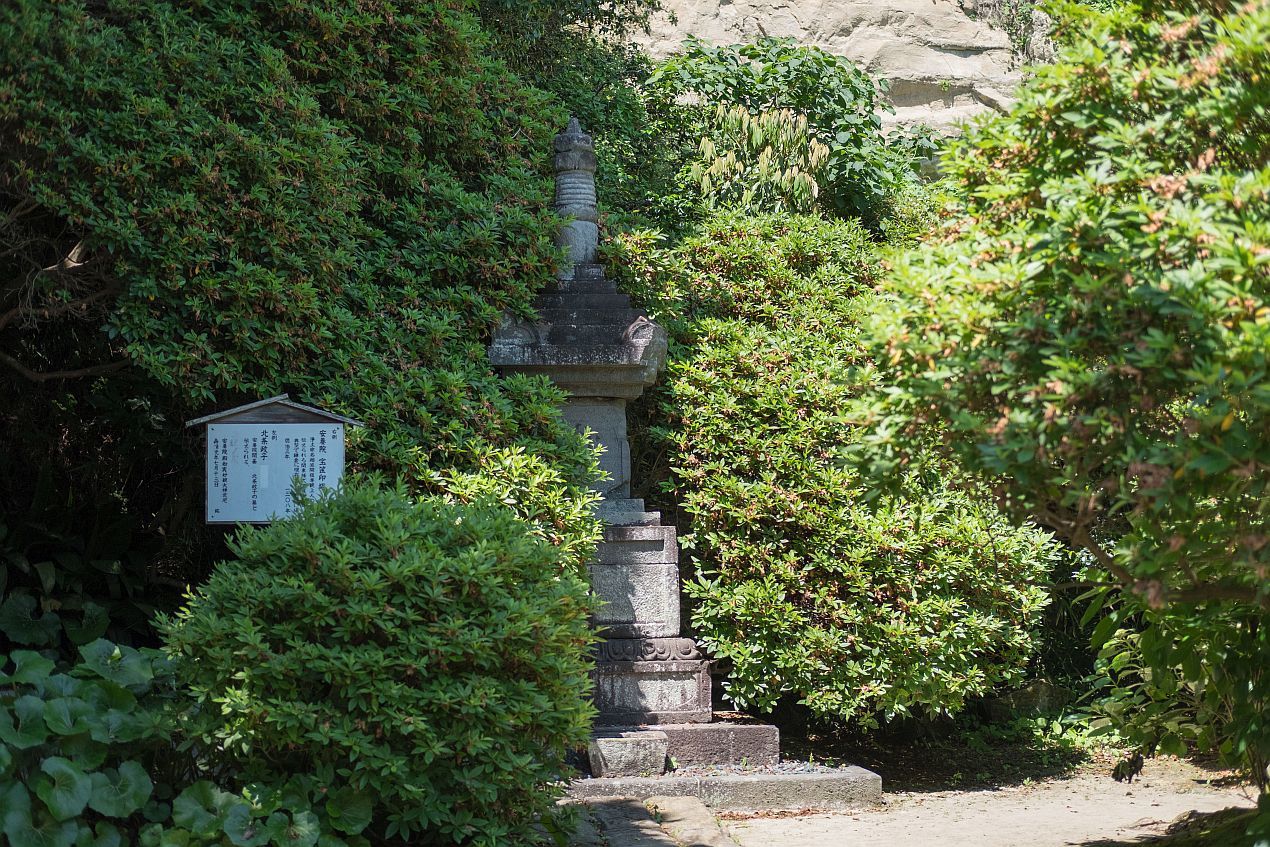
[(256, 451)]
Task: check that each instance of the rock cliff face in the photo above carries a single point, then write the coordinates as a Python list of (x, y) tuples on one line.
[(943, 65)]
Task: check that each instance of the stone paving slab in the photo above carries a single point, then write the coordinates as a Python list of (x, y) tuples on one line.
[(840, 790)]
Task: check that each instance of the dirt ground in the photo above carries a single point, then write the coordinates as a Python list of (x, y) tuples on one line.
[(1083, 807)]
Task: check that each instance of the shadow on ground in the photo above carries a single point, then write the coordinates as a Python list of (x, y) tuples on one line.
[(921, 758), (1227, 828)]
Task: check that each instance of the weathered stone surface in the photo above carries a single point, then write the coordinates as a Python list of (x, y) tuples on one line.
[(845, 788), (647, 650), (842, 789), (652, 692), (639, 601), (638, 545), (635, 787), (627, 753), (624, 512), (722, 743), (606, 418), (943, 64), (689, 821)]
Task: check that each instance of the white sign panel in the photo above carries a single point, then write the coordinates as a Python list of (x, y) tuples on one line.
[(250, 467)]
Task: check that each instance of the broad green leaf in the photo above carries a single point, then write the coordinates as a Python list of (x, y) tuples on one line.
[(29, 729), (107, 835), (244, 829), (95, 622), (117, 663), (202, 808), (29, 667), (68, 715), (21, 623), (302, 830), (349, 810), (84, 751), (20, 826), (66, 792), (119, 793)]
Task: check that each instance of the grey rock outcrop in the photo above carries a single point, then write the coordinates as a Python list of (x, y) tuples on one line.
[(944, 64)]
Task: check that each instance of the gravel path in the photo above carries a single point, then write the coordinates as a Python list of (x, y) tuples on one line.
[(1086, 809)]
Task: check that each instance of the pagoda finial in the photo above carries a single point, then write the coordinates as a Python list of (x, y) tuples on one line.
[(575, 197)]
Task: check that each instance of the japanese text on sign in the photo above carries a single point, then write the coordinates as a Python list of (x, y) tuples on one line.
[(250, 467)]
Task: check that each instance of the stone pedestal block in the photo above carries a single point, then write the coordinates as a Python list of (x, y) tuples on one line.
[(633, 545), (722, 743), (607, 421), (628, 753), (622, 512), (652, 692), (639, 601)]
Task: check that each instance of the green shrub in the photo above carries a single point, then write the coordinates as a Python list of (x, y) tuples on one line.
[(427, 655), (1091, 335), (759, 163), (858, 609), (842, 103), (90, 754), (211, 202)]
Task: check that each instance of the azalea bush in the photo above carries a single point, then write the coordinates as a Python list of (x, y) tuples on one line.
[(427, 659), (211, 203), (861, 611), (1089, 335)]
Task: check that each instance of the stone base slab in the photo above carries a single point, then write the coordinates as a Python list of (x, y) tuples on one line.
[(841, 789), (637, 545), (721, 743)]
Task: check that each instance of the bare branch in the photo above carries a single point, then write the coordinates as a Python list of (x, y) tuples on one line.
[(46, 376), (49, 312)]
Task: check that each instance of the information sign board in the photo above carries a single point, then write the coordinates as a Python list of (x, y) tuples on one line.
[(251, 466)]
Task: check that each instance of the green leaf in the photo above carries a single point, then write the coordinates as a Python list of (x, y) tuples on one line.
[(202, 808), (119, 664), (19, 826), (119, 793), (67, 792), (30, 729), (19, 622), (244, 829), (84, 751), (349, 810), (29, 667), (68, 715), (301, 831), (6, 759), (94, 624), (107, 835)]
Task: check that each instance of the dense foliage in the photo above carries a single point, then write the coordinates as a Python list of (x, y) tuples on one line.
[(842, 103), (858, 610), (91, 754), (1091, 336), (221, 201), (429, 657)]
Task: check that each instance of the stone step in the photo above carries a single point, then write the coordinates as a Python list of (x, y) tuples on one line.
[(626, 512), (668, 692), (600, 298), (629, 545), (721, 743), (836, 789), (627, 752), (638, 600)]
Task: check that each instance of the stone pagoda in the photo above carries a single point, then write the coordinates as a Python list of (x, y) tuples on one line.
[(652, 686)]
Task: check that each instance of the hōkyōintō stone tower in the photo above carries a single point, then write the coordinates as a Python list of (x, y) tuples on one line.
[(592, 343)]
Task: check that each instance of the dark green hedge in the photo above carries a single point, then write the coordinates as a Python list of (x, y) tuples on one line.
[(332, 199), (859, 610)]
